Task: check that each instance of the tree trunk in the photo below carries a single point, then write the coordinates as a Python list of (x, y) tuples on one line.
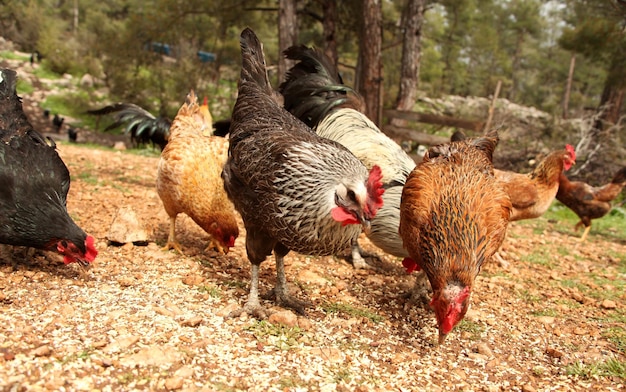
[(287, 34), (370, 56), (330, 25), (568, 87), (412, 21)]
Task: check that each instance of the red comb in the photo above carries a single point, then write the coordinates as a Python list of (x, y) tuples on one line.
[(571, 150), (205, 102)]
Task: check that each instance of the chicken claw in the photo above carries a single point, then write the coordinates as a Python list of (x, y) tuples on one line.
[(173, 245)]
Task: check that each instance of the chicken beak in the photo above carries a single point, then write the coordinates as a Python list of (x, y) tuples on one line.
[(367, 226), (442, 337)]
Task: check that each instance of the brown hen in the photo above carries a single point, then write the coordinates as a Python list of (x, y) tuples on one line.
[(453, 217), (589, 202), (532, 194), (189, 177)]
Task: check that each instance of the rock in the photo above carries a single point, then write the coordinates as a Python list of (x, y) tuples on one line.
[(121, 146), (126, 227), (228, 309), (192, 322), (528, 388), (174, 383), (329, 354), (483, 349), (192, 279), (547, 320), (285, 317), (308, 276), (153, 356), (41, 351), (121, 343), (184, 372), (87, 81), (608, 304), (554, 353)]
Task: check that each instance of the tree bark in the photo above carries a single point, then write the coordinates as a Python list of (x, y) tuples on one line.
[(330, 26), (412, 21), (287, 34), (568, 87), (370, 57)]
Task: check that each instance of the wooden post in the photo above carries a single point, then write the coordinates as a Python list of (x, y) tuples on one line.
[(568, 88), (492, 107)]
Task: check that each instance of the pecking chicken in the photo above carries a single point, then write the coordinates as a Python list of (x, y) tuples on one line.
[(189, 177), (294, 189), (314, 92), (589, 202), (532, 194), (34, 183), (453, 217)]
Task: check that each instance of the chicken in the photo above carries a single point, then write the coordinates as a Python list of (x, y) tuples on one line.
[(315, 93), (143, 127), (295, 190), (189, 177), (532, 194), (34, 183), (453, 217), (589, 202)]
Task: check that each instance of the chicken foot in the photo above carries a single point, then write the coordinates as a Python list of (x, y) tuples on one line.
[(171, 238), (280, 293), (358, 254), (253, 306)]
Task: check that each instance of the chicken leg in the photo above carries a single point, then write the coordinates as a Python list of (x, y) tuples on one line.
[(171, 238), (585, 233), (280, 292)]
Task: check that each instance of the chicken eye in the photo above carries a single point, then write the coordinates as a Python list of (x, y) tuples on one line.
[(351, 195), (64, 243)]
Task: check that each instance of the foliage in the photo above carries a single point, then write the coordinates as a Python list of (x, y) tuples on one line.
[(467, 45)]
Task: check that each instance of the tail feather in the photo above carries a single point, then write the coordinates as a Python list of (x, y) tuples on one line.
[(13, 120), (314, 88), (253, 61)]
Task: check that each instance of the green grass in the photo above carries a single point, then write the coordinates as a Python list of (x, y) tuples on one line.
[(540, 257), (347, 309), (279, 336), (213, 291), (611, 226), (24, 88), (87, 177), (608, 368), (545, 312), (617, 336), (10, 55), (474, 329)]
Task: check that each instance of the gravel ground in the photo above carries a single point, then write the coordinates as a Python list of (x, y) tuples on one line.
[(147, 319)]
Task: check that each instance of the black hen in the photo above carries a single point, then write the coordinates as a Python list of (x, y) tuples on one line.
[(34, 183), (294, 190), (141, 125)]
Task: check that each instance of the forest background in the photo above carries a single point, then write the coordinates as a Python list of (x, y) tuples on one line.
[(566, 58)]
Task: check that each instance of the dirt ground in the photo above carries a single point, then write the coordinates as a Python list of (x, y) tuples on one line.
[(147, 319)]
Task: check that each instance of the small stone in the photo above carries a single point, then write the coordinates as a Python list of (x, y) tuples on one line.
[(192, 322), (285, 317), (122, 343), (126, 281), (99, 344), (547, 320), (554, 353), (41, 351), (305, 324), (476, 356), (107, 362), (174, 383), (580, 331), (528, 388), (184, 372), (329, 354), (576, 296), (228, 309), (608, 304), (308, 276), (483, 349), (126, 227), (119, 146), (193, 279)]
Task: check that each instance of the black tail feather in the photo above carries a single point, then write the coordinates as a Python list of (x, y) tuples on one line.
[(313, 86), (253, 61)]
